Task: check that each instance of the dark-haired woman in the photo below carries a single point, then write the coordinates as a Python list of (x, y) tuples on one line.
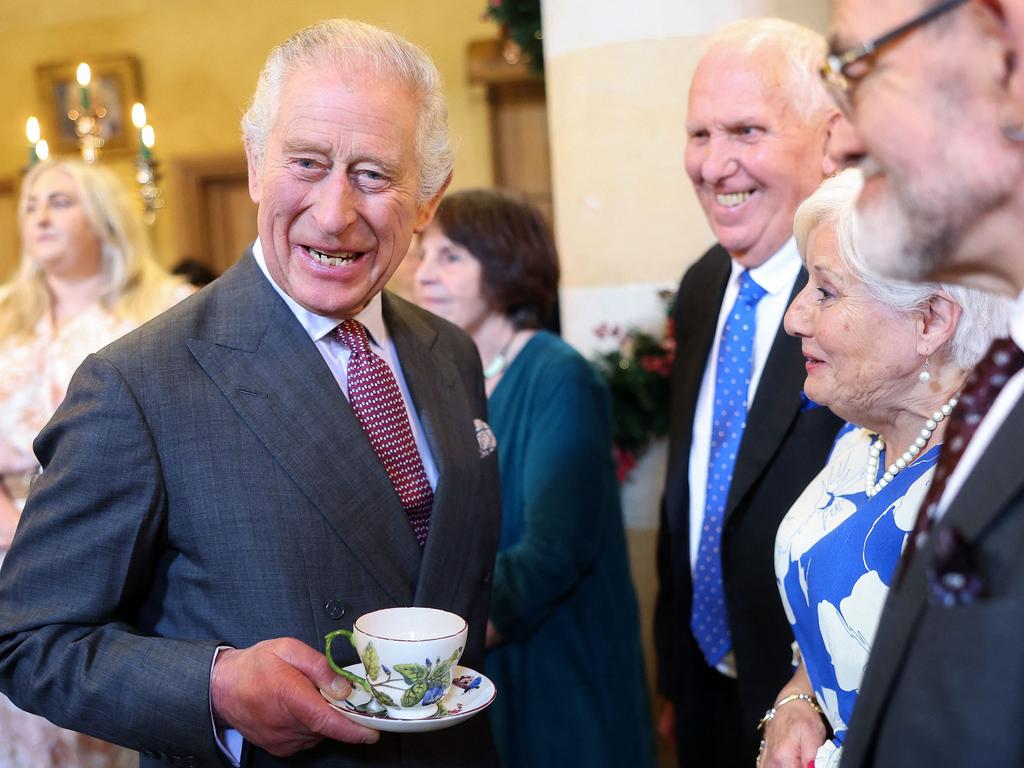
[(564, 635)]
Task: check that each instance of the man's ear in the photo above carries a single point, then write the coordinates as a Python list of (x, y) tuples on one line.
[(425, 212), (1000, 27), (937, 323), (829, 165), (255, 175)]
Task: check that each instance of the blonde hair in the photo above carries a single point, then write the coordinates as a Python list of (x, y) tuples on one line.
[(134, 285), (354, 45)]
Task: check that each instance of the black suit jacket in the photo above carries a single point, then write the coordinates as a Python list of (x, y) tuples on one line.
[(784, 446), (205, 482), (944, 686)]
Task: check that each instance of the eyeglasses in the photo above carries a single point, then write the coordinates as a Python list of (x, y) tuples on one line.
[(841, 72)]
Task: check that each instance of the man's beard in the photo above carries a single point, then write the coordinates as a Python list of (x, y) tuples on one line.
[(904, 235)]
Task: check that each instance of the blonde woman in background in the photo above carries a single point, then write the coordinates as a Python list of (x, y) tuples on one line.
[(87, 277)]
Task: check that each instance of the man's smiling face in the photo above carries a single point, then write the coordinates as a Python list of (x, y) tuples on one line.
[(338, 187), (750, 154)]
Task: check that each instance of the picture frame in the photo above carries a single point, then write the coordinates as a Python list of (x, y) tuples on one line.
[(115, 85)]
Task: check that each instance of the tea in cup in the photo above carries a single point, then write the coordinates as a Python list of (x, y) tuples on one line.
[(409, 656)]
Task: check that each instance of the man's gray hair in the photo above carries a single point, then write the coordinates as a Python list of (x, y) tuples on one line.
[(353, 45), (984, 316), (799, 51)]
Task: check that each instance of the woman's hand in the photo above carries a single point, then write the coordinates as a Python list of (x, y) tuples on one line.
[(792, 737)]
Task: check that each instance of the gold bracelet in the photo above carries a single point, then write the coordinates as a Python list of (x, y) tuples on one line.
[(770, 714)]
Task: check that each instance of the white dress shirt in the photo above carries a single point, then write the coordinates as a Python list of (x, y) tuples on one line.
[(336, 355), (776, 276), (1004, 403)]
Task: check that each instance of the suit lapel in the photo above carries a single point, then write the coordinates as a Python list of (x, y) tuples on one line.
[(696, 322), (447, 421), (993, 482), (775, 407), (278, 383), (982, 498)]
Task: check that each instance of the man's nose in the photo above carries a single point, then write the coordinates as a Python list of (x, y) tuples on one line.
[(720, 160), (335, 208), (845, 147)]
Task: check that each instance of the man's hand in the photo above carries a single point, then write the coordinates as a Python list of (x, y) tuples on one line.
[(268, 693)]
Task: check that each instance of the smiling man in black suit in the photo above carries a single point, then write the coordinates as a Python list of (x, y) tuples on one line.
[(744, 443)]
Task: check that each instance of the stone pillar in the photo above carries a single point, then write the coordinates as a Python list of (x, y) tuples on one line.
[(627, 221)]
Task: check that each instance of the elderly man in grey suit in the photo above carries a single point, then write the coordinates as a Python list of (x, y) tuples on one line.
[(283, 453), (935, 95)]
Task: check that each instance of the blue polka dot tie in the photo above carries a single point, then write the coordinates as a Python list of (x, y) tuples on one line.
[(708, 619)]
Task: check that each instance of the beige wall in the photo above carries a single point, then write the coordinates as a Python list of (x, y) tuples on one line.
[(200, 59)]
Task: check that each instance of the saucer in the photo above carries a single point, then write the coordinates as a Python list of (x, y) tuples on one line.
[(470, 694)]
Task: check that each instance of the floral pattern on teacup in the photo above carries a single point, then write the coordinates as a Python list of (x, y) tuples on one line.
[(415, 684)]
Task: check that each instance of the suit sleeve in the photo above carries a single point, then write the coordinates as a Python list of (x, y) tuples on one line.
[(82, 565), (567, 456)]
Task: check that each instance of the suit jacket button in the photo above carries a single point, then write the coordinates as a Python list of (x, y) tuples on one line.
[(487, 579), (334, 609)]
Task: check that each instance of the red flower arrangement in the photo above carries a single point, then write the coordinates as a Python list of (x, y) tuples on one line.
[(637, 373)]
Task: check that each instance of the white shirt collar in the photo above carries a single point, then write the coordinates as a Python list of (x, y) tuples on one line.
[(778, 272), (1017, 321), (318, 326)]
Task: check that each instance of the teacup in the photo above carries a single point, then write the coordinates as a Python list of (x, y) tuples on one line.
[(409, 655)]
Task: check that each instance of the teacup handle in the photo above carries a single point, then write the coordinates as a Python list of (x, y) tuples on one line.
[(352, 677)]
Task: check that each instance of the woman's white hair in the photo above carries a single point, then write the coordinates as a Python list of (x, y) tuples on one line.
[(353, 45), (984, 316), (798, 52)]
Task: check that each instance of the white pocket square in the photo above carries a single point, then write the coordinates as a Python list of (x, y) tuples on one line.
[(485, 439)]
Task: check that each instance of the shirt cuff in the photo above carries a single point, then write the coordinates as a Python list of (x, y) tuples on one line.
[(229, 741)]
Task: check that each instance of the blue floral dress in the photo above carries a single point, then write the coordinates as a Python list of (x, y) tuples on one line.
[(835, 556)]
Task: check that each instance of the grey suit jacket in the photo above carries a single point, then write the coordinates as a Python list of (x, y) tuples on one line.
[(944, 686), (207, 483)]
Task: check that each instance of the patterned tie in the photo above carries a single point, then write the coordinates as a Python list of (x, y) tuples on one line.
[(1003, 360), (708, 620), (377, 402)]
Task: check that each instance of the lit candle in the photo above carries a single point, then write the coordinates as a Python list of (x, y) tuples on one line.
[(33, 135), (84, 75), (32, 130), (138, 115), (42, 149), (148, 140)]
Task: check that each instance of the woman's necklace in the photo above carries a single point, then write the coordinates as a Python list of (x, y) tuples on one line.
[(870, 486), (499, 363)]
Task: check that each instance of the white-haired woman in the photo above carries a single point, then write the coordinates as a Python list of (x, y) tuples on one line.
[(86, 278), (889, 358)]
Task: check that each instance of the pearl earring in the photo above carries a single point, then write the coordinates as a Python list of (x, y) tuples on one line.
[(924, 377)]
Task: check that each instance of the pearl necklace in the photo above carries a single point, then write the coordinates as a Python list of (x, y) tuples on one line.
[(870, 486)]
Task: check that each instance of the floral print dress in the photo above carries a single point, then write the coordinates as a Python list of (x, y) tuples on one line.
[(836, 553)]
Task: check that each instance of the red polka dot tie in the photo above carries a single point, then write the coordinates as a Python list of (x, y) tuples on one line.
[(1003, 360), (377, 402)]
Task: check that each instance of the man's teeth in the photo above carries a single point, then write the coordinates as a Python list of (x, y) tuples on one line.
[(733, 198), (332, 261)]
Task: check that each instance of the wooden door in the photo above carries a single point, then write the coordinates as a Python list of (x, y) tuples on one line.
[(218, 219)]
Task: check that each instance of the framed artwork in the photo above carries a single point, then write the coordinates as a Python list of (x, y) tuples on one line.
[(114, 87)]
